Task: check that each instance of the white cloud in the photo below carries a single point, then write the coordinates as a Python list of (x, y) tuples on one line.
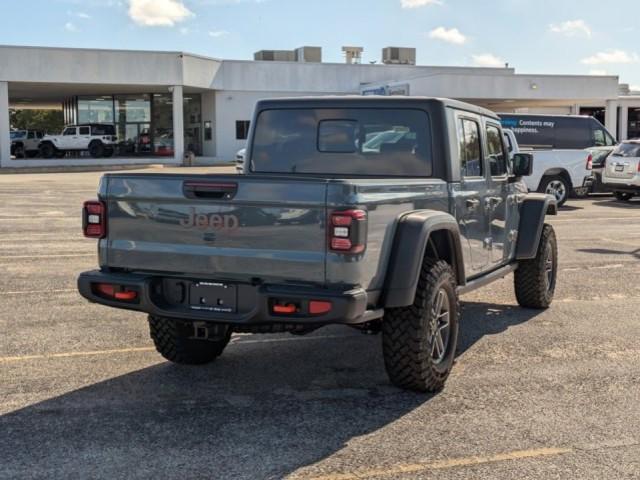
[(218, 33), (597, 71), (419, 3), (487, 60), (571, 28), (70, 27), (451, 35), (185, 31), (611, 56), (158, 13)]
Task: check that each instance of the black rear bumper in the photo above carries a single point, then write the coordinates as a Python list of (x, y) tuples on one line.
[(254, 302)]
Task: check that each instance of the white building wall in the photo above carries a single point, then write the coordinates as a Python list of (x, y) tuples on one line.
[(5, 141), (234, 105)]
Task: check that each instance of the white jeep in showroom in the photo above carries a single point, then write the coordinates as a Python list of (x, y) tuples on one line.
[(24, 143), (98, 139)]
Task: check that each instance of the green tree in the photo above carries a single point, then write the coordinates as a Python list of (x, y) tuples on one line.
[(49, 121)]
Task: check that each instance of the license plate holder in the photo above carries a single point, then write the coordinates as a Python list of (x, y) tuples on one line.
[(213, 297), (619, 168)]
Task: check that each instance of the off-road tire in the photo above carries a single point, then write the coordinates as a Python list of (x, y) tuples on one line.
[(534, 288), (623, 196), (406, 346), (546, 181), (96, 149), (19, 151), (47, 150), (174, 340)]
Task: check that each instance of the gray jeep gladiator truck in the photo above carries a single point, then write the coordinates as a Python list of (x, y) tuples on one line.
[(376, 213)]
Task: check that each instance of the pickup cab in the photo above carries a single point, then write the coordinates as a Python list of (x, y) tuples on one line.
[(327, 226), (561, 173)]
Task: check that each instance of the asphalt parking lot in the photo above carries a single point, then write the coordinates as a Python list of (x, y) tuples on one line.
[(553, 394)]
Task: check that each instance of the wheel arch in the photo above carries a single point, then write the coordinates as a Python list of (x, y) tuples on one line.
[(533, 210), (556, 172), (420, 234)]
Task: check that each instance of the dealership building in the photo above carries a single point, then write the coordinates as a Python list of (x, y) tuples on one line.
[(168, 104)]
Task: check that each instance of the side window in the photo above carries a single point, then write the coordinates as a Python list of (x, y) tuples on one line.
[(242, 129), (39, 134), (469, 148), (85, 131), (599, 138), (69, 131), (31, 135), (495, 152)]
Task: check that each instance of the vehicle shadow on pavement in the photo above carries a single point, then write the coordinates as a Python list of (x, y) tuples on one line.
[(269, 406), (607, 251), (613, 203), (481, 319)]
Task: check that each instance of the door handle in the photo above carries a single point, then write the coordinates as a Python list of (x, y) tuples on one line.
[(472, 203)]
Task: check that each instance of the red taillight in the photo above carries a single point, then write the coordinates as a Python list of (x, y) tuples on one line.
[(348, 231), (94, 221), (319, 307), (590, 162), (117, 292), (286, 309)]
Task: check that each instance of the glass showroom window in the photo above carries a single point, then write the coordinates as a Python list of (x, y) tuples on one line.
[(193, 123), (95, 109), (133, 118), (162, 125)]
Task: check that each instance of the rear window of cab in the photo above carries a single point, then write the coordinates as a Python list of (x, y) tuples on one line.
[(343, 141)]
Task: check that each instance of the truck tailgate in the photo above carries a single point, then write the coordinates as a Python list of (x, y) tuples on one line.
[(230, 227)]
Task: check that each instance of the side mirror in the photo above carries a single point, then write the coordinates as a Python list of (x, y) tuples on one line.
[(522, 164)]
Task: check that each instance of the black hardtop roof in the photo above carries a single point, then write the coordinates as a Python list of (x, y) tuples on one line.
[(373, 100)]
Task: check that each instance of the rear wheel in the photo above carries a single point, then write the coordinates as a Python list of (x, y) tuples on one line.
[(47, 150), (623, 196), (187, 342), (535, 279), (96, 149), (419, 341), (557, 186)]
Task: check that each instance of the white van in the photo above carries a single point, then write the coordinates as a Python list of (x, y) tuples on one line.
[(560, 145)]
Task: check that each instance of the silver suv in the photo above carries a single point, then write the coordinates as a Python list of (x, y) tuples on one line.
[(98, 139), (621, 173)]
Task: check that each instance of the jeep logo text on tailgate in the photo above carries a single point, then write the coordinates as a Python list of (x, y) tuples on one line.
[(212, 221)]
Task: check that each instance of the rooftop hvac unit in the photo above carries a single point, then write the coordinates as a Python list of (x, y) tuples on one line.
[(399, 56), (275, 56), (352, 54), (308, 54)]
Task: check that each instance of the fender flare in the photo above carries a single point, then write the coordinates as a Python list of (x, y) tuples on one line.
[(413, 231), (533, 210)]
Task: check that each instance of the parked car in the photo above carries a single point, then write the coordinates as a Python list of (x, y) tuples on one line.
[(240, 160), (98, 139), (560, 173), (24, 143), (621, 173), (320, 231), (599, 155)]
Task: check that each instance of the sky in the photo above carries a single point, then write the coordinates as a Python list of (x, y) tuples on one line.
[(533, 36)]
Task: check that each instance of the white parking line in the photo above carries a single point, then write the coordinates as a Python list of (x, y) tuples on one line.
[(236, 341)]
